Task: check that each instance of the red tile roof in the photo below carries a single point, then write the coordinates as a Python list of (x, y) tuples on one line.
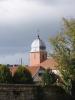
[(49, 64), (33, 69)]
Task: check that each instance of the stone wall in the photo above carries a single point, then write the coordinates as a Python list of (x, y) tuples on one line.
[(18, 92), (31, 92), (55, 93)]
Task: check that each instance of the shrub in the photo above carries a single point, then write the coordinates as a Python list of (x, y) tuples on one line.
[(49, 77), (22, 76), (5, 74)]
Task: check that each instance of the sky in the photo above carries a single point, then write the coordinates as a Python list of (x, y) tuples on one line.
[(22, 20)]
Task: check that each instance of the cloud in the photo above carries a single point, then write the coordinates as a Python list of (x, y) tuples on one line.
[(54, 2), (31, 10), (20, 20), (15, 59), (20, 10)]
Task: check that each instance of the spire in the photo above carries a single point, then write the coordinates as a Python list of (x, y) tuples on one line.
[(38, 37), (38, 34)]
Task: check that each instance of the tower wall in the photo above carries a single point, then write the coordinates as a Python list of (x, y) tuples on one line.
[(38, 52), (37, 57)]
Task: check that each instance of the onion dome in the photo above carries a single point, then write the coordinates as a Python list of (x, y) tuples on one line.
[(38, 45)]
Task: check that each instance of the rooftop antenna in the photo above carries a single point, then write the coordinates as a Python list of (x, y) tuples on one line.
[(21, 61)]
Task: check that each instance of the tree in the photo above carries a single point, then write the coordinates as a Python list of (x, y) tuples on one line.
[(64, 51), (5, 74), (49, 78), (22, 76)]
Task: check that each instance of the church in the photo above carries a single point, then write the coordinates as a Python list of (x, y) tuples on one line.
[(38, 60)]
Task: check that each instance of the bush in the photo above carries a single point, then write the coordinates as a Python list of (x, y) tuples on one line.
[(22, 76), (5, 74), (49, 77)]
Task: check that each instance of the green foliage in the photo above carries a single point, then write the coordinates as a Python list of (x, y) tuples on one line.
[(64, 50), (49, 78), (22, 76), (5, 74)]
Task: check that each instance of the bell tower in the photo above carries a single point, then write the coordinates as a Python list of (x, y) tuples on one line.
[(38, 52)]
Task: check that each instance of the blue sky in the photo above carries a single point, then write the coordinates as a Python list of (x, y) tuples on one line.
[(20, 20)]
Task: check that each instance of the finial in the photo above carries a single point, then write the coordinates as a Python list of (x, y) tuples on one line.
[(38, 37), (38, 34)]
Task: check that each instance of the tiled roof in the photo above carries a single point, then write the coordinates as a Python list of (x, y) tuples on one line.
[(33, 69), (49, 64)]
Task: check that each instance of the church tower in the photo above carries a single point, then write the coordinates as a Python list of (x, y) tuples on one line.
[(38, 52)]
